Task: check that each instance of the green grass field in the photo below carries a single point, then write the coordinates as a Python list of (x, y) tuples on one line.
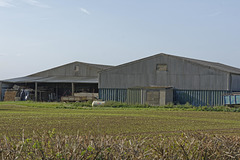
[(39, 117), (65, 131)]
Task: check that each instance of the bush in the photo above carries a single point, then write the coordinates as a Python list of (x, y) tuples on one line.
[(115, 104)]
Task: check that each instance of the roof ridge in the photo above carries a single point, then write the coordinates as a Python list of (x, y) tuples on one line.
[(132, 62), (215, 65), (88, 64)]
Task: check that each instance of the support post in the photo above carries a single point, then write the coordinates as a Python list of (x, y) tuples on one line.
[(56, 92), (73, 89), (36, 90), (230, 77)]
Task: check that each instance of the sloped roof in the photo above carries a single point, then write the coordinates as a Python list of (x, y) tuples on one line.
[(98, 66), (59, 79), (214, 65), (53, 79)]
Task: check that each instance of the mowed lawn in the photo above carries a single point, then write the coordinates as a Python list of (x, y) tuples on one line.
[(16, 119)]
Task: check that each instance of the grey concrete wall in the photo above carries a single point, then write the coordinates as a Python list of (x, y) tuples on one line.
[(162, 97), (158, 97), (153, 97), (169, 96), (235, 85), (181, 74), (73, 69)]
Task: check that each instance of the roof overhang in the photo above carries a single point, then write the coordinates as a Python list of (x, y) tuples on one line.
[(54, 79)]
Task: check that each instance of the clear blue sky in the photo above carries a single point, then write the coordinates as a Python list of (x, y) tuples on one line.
[(40, 34)]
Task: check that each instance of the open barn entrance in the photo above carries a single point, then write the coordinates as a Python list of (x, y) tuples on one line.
[(46, 92)]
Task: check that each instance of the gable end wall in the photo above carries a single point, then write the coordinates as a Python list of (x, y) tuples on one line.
[(69, 70), (180, 74)]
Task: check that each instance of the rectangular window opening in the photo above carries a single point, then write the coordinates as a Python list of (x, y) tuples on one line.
[(76, 68), (161, 67)]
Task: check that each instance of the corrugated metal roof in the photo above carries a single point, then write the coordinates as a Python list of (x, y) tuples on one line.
[(218, 66), (215, 65), (97, 66), (55, 79), (51, 78)]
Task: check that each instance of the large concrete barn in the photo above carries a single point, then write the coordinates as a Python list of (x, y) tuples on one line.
[(164, 78), (52, 84)]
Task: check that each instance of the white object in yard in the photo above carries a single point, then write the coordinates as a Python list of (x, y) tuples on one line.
[(98, 103)]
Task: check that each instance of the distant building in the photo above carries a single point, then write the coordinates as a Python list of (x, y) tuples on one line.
[(56, 82), (144, 81)]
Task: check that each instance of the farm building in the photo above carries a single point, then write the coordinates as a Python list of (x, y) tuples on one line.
[(52, 84), (164, 78)]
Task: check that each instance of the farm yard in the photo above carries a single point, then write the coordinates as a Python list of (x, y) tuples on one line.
[(125, 80), (44, 123)]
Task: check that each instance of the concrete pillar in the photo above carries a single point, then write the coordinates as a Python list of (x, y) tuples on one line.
[(162, 98), (0, 91), (73, 89), (36, 90)]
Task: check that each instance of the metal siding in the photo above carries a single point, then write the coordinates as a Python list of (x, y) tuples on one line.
[(119, 95), (232, 99), (199, 97), (237, 99), (85, 69), (226, 99), (235, 82), (194, 97), (182, 74), (134, 96)]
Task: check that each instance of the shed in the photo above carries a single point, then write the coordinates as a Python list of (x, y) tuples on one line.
[(65, 80), (195, 81)]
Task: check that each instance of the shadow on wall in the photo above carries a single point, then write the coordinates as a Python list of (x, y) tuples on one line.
[(200, 98)]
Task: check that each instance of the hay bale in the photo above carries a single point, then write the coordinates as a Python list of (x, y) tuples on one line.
[(10, 95)]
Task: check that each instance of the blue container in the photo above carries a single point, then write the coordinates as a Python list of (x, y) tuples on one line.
[(231, 99)]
